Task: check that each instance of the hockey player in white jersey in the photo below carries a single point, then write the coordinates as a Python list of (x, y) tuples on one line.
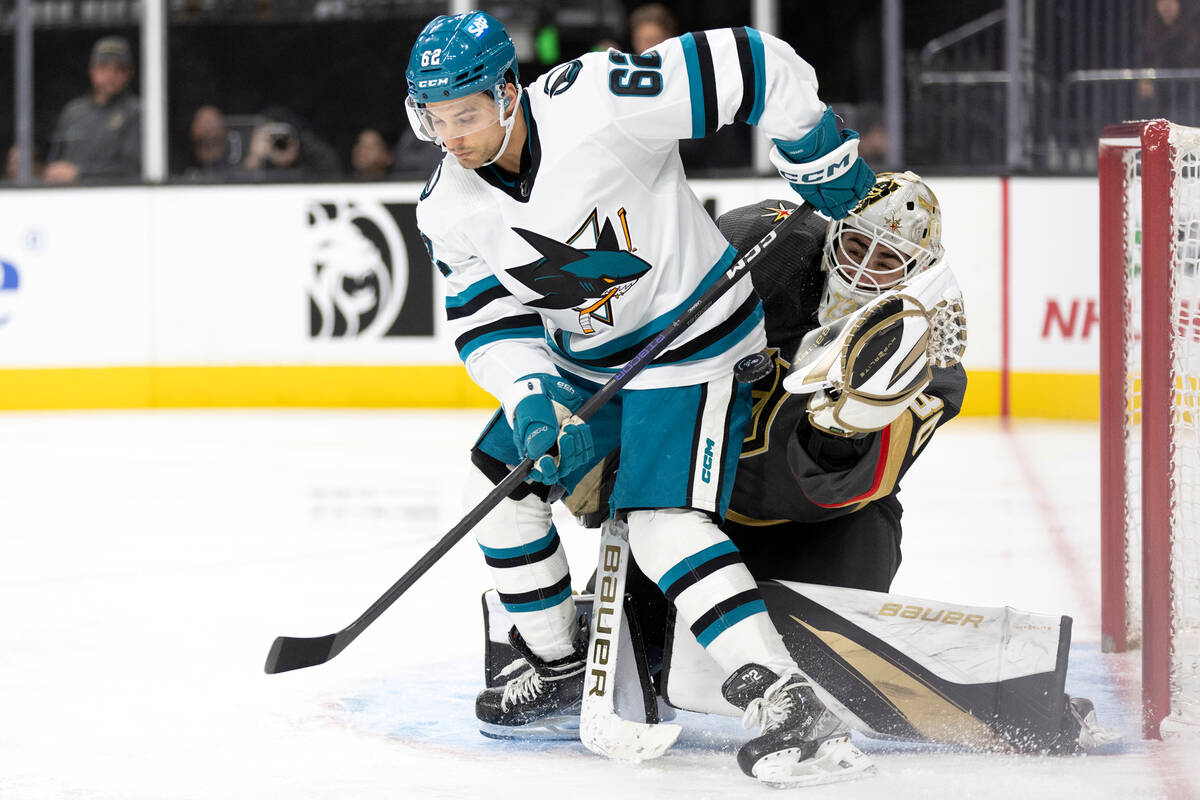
[(568, 238)]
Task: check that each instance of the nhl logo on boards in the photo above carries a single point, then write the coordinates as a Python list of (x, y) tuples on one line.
[(370, 276)]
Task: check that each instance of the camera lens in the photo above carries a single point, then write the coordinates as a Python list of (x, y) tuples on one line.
[(279, 141)]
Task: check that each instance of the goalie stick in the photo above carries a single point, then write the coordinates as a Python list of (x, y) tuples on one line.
[(601, 729), (291, 652)]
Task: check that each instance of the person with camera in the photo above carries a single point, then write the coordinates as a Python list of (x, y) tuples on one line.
[(283, 148)]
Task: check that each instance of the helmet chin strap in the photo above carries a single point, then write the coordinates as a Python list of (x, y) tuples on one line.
[(508, 124)]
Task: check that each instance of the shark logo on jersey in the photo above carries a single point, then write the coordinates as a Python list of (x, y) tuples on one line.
[(585, 280), (562, 78)]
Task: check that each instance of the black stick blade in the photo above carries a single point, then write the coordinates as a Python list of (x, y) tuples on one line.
[(288, 653)]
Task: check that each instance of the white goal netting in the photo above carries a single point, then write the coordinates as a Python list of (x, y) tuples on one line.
[(1184, 442)]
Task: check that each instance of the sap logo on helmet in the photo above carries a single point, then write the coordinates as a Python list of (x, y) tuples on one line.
[(432, 82), (477, 27)]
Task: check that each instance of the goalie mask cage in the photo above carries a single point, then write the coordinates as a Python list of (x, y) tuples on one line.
[(1150, 413)]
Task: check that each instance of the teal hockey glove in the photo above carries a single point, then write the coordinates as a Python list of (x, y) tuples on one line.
[(824, 167), (546, 429)]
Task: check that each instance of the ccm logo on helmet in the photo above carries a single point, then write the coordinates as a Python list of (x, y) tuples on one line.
[(432, 82)]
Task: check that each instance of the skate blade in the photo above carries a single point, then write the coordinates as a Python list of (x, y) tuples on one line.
[(1093, 734), (549, 729), (835, 760)]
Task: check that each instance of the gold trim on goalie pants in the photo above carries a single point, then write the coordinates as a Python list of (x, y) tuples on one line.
[(893, 446)]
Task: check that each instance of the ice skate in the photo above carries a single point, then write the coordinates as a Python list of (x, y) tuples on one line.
[(802, 742), (1081, 730), (541, 698)]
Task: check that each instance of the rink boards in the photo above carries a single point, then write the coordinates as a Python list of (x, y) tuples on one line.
[(323, 295)]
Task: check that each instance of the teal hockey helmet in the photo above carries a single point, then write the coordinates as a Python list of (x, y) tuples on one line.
[(456, 77), (460, 55)]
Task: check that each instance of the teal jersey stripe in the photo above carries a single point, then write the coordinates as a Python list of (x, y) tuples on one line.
[(727, 621), (535, 546), (655, 325), (695, 560), (760, 74), (692, 59), (551, 602), (472, 291), (494, 336), (716, 348)]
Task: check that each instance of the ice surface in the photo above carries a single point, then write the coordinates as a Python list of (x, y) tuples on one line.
[(148, 559)]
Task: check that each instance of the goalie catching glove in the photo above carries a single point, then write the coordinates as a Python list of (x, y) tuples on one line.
[(545, 427), (863, 370)]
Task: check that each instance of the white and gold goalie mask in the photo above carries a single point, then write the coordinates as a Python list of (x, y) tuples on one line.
[(893, 234)]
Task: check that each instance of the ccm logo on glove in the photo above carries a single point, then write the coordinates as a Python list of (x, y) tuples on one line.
[(545, 428)]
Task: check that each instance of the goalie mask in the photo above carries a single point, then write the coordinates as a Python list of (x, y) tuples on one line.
[(892, 235)]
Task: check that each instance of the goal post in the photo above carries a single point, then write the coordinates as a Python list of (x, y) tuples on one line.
[(1149, 407)]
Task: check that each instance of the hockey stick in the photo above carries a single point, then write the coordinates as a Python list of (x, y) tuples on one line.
[(601, 729), (289, 652)]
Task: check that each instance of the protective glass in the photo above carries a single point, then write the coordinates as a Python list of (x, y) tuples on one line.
[(437, 122)]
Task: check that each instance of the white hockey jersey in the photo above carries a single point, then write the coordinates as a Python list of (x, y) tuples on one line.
[(599, 244)]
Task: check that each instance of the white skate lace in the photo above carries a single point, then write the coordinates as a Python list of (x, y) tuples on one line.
[(525, 686), (770, 710)]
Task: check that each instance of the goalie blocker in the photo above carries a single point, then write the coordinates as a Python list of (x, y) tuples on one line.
[(892, 666)]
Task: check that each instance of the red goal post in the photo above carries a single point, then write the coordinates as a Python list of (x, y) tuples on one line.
[(1150, 412)]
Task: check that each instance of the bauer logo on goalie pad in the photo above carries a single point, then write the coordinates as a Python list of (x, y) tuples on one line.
[(371, 277), (929, 614)]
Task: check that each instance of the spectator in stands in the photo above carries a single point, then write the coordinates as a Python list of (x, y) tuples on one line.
[(1170, 40), (371, 157), (10, 165), (413, 158), (284, 148), (867, 119), (99, 135), (211, 158), (649, 25)]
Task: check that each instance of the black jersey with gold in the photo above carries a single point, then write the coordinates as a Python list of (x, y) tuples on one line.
[(788, 470)]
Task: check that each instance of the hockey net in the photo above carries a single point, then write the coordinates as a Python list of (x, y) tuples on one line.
[(1150, 412)]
